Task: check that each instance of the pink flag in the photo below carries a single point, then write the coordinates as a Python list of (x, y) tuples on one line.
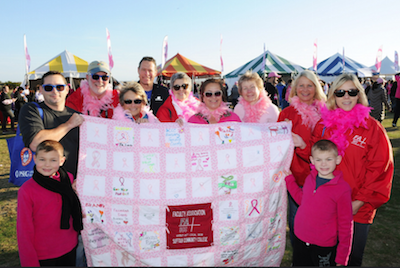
[(164, 52), (378, 60), (263, 63), (27, 57), (315, 56), (110, 57), (220, 52), (396, 61), (343, 62)]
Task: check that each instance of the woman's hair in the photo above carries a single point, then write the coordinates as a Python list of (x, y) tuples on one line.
[(249, 76), (180, 75), (213, 81), (135, 88), (339, 81), (319, 93)]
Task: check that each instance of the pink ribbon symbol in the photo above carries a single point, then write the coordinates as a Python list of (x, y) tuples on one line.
[(200, 136), (251, 131), (227, 158), (279, 148), (150, 187), (96, 158), (121, 180), (199, 166), (176, 162), (123, 136), (149, 136), (124, 162), (254, 206), (96, 132), (202, 185), (96, 185), (253, 182)]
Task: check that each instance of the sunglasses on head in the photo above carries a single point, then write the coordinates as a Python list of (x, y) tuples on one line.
[(49, 87), (184, 86), (103, 77), (216, 94), (352, 92), (137, 101)]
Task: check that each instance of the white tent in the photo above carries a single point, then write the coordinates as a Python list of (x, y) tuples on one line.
[(387, 67)]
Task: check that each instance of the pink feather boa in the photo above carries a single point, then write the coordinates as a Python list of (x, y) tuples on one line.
[(340, 122), (222, 110), (188, 106), (310, 114), (121, 114), (254, 112), (92, 104)]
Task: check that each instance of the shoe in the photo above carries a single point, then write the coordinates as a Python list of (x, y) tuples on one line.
[(393, 125)]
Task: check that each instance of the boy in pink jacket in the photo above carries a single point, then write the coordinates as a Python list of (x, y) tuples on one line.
[(49, 214), (323, 225)]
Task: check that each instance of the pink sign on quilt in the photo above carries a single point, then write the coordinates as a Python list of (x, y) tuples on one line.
[(198, 195)]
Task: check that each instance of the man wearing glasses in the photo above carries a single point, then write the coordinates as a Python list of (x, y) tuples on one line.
[(156, 94), (95, 96)]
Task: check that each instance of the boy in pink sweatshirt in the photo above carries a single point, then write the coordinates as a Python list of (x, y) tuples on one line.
[(49, 214), (323, 225)]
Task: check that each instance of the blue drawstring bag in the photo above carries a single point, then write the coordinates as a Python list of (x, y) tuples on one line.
[(21, 157)]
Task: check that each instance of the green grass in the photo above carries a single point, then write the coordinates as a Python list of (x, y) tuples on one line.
[(383, 245)]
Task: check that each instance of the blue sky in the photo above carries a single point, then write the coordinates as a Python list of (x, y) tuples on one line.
[(137, 29)]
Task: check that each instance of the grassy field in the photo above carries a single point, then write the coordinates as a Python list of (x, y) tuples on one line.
[(382, 248)]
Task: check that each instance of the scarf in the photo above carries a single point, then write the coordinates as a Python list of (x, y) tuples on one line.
[(70, 202), (342, 123), (92, 105), (310, 114), (185, 108), (205, 113), (121, 114), (254, 112)]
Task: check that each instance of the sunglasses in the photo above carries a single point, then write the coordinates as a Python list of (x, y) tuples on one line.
[(184, 86), (49, 87), (137, 101), (352, 92), (216, 94), (103, 77)]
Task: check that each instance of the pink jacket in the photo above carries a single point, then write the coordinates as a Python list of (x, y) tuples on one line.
[(38, 225), (325, 215)]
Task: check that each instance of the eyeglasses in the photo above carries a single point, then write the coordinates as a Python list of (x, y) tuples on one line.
[(352, 92), (137, 101), (184, 86), (49, 87), (103, 77), (216, 94)]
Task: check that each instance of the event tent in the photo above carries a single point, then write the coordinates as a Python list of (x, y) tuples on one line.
[(66, 63), (332, 67), (387, 67), (273, 63), (179, 63)]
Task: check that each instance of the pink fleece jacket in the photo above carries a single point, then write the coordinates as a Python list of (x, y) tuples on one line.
[(38, 225), (325, 214)]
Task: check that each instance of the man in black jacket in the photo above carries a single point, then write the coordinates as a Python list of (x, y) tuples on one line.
[(270, 87)]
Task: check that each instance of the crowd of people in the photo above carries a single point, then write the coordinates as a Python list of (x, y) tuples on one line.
[(341, 170)]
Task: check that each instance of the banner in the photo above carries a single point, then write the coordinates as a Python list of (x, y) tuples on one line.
[(263, 62), (27, 57), (396, 61), (164, 53), (201, 195), (220, 53), (378, 60), (343, 63), (315, 56), (110, 57)]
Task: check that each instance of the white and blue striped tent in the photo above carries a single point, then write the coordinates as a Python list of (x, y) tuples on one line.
[(273, 63), (332, 67)]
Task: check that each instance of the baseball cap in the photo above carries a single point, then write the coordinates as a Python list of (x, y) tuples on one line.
[(273, 74), (98, 66)]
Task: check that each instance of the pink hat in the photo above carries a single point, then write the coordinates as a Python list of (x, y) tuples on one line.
[(273, 74), (380, 80)]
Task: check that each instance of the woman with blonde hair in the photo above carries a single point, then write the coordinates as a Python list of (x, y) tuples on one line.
[(254, 105), (367, 163), (306, 99)]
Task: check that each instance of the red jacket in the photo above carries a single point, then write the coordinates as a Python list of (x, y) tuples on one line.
[(325, 214), (367, 166), (300, 164), (167, 113), (75, 101)]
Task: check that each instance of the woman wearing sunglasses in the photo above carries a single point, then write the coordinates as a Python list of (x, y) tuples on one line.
[(254, 105), (367, 163), (181, 104), (306, 99), (213, 108), (132, 107)]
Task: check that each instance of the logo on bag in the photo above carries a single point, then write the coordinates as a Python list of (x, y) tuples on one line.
[(26, 156)]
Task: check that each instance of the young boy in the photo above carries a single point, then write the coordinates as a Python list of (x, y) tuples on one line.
[(324, 216), (49, 213)]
